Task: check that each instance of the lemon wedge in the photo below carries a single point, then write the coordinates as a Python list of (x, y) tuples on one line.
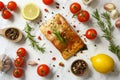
[(30, 11)]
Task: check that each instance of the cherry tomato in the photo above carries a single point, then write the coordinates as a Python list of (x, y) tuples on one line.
[(75, 7), (6, 14), (12, 5), (19, 62), (91, 34), (1, 5), (18, 72), (43, 70), (48, 2), (83, 16), (21, 52)]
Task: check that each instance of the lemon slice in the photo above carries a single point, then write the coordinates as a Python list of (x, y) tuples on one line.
[(30, 11)]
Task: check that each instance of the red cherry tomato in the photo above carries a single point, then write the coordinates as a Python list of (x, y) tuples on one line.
[(12, 5), (1, 5), (48, 2), (83, 16), (18, 72), (21, 52), (6, 14), (19, 62), (75, 7), (91, 34), (43, 70)]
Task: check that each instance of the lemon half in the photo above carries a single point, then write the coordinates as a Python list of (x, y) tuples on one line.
[(30, 11), (102, 63)]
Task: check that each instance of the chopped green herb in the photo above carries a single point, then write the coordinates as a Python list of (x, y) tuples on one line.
[(57, 34), (30, 37)]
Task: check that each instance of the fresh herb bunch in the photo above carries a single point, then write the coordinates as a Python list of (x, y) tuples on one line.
[(57, 34), (107, 29), (30, 37)]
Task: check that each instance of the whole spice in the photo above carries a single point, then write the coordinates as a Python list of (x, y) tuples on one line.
[(12, 33), (30, 37), (79, 67), (107, 28), (109, 7), (117, 23), (114, 14)]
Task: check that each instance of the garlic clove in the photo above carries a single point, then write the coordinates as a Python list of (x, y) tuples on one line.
[(8, 61), (32, 63), (6, 68), (87, 2), (109, 7), (114, 14), (117, 23)]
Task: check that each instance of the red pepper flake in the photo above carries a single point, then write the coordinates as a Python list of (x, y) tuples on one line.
[(40, 20), (54, 58), (78, 31), (46, 10), (49, 32), (74, 26), (57, 7), (39, 38), (81, 52), (61, 64)]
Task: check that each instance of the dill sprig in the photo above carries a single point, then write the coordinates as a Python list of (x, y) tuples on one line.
[(104, 22), (30, 37)]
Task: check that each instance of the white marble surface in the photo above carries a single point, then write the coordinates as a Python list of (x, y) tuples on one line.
[(10, 48)]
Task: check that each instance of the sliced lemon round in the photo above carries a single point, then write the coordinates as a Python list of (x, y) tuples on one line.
[(30, 11)]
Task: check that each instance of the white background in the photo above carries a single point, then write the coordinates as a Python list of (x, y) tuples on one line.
[(10, 48)]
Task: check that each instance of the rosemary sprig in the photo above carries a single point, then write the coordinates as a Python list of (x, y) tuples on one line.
[(107, 28), (30, 37), (57, 34)]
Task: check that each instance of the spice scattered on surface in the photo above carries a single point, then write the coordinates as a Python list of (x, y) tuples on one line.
[(61, 64), (46, 10), (57, 3), (68, 70), (85, 39), (95, 45), (39, 38), (53, 58), (58, 76), (53, 65), (63, 7), (74, 26), (78, 31), (81, 51), (52, 12), (45, 16), (50, 51), (75, 54), (38, 58)]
